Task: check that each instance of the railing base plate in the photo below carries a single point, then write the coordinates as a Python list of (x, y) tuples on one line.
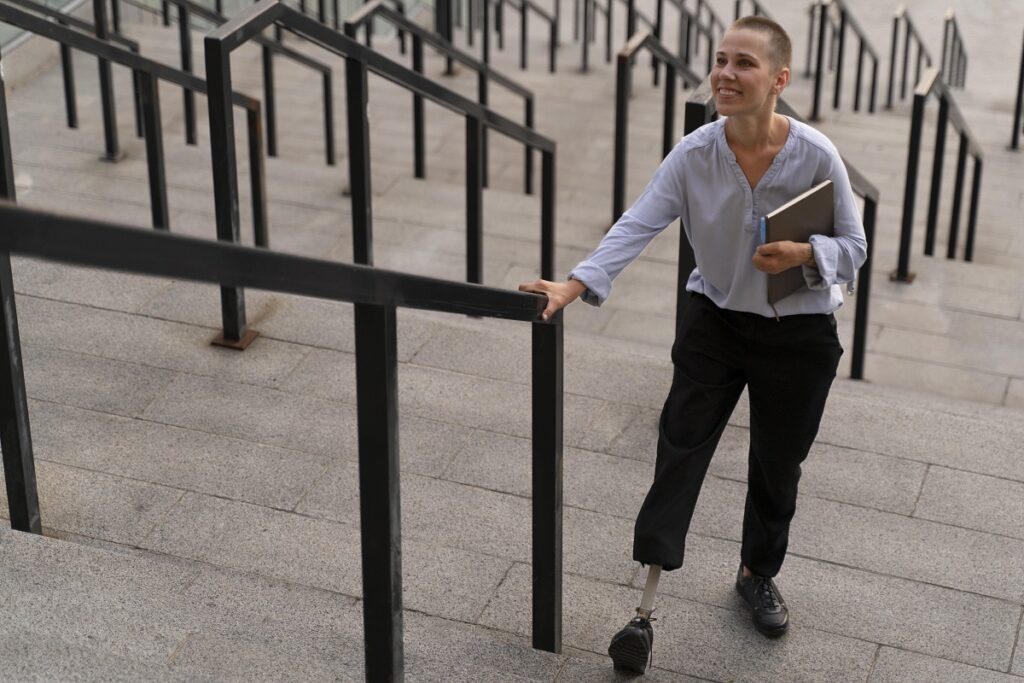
[(238, 345), (113, 159), (894, 276)]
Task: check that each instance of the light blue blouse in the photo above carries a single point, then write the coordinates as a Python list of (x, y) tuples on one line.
[(701, 183)]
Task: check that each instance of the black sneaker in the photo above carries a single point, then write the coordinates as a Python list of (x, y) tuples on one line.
[(630, 648), (767, 606)]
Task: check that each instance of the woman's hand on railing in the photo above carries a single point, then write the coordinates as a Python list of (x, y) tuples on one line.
[(559, 294)]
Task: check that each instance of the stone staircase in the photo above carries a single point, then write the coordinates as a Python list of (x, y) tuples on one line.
[(200, 505)]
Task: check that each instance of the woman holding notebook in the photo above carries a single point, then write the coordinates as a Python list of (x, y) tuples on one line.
[(721, 180)]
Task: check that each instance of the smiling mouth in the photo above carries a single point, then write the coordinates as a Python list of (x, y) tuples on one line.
[(728, 92)]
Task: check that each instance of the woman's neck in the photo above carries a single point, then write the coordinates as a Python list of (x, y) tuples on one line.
[(757, 133)]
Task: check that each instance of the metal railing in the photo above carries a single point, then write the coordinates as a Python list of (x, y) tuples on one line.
[(1018, 107), (700, 109), (524, 7), (954, 57), (359, 62), (485, 75), (148, 73), (633, 15), (910, 34), (757, 9), (623, 78), (693, 26), (932, 83), (820, 11), (188, 9), (67, 64), (376, 295)]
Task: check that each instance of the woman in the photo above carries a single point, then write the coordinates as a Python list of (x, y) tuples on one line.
[(720, 180)]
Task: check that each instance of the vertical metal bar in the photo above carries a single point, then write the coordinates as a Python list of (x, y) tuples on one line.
[(185, 42), (902, 273), (558, 23), (112, 150), (608, 33), (219, 6), (225, 176), (321, 11), (329, 118), (838, 85), (585, 44), (622, 88), (70, 101), (449, 64), (486, 37), (972, 219), (257, 178), (874, 84), (906, 60), (547, 484), (528, 153), (380, 510), (470, 27), (499, 22), (269, 100), (669, 118), (820, 63), (684, 35), (474, 201), (15, 430), (547, 214), (1019, 106), (892, 61), (917, 69), (552, 46), (482, 97), (115, 15), (958, 193), (356, 100), (962, 73), (630, 19), (936, 189), (860, 320), (944, 64), (335, 15), (576, 19), (419, 152), (857, 81), (523, 24), (810, 38), (737, 10), (154, 150), (659, 16), (165, 13)]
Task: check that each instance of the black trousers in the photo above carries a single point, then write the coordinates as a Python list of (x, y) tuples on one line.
[(788, 365)]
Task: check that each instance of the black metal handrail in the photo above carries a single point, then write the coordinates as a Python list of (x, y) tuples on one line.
[(149, 73), (954, 57), (485, 75), (757, 9), (700, 109), (399, 8), (693, 26), (359, 61), (189, 8), (623, 77), (553, 22), (1018, 107), (839, 43), (933, 83), (66, 62), (909, 32), (376, 295), (590, 10)]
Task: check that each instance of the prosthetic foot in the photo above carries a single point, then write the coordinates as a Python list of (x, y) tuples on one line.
[(632, 646)]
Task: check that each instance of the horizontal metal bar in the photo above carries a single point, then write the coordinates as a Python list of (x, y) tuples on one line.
[(73, 21), (931, 83), (148, 252), (113, 53), (646, 39)]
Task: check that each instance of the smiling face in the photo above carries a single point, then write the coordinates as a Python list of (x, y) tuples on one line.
[(745, 79)]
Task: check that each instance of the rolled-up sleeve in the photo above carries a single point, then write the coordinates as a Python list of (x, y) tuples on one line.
[(659, 204), (837, 258)]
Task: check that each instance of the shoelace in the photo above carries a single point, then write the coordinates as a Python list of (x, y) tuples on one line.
[(766, 592), (640, 621)]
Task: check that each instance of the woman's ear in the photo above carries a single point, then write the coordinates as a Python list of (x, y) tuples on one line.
[(781, 80)]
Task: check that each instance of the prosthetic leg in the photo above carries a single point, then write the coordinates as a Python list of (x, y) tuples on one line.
[(631, 647)]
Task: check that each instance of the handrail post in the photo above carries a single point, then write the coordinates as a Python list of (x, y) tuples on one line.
[(356, 99), (482, 97), (419, 151), (874, 84), (860, 71), (838, 85), (189, 98), (68, 70), (15, 432), (380, 518), (269, 100), (547, 215), (669, 116), (547, 384), (257, 178), (154, 150), (937, 164), (973, 214), (622, 87), (902, 274), (860, 320), (810, 38), (958, 193), (552, 46), (892, 61), (631, 18), (585, 43), (328, 118), (523, 34), (112, 151), (822, 28), (474, 201), (658, 19), (225, 184), (486, 37), (906, 60), (528, 152), (1019, 107)]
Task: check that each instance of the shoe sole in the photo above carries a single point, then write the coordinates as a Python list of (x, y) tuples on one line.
[(629, 654)]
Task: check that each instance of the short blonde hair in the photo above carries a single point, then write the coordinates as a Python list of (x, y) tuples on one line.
[(779, 44)]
